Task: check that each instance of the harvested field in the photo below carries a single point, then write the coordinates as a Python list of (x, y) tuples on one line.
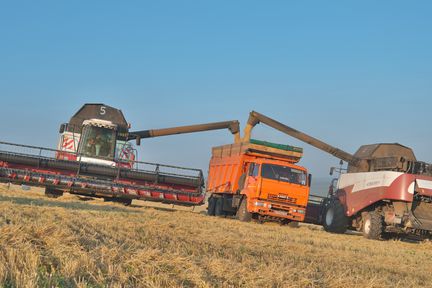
[(71, 243)]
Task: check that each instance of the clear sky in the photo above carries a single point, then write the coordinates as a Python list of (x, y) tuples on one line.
[(347, 72)]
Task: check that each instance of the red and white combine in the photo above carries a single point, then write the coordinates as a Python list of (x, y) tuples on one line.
[(94, 157), (384, 190)]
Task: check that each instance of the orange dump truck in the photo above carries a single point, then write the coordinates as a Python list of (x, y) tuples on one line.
[(258, 180)]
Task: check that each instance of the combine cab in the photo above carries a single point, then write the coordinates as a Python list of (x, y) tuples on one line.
[(96, 134)]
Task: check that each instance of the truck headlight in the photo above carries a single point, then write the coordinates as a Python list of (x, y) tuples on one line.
[(259, 204), (300, 211)]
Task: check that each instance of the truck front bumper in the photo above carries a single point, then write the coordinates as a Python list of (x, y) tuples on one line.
[(279, 210)]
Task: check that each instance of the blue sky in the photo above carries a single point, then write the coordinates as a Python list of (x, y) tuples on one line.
[(347, 72)]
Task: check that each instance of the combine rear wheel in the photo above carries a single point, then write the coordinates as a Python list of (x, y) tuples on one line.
[(373, 225), (242, 213), (211, 207), (335, 220)]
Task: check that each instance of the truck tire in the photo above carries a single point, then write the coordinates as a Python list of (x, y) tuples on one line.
[(373, 225), (219, 207), (242, 213), (335, 220), (211, 206)]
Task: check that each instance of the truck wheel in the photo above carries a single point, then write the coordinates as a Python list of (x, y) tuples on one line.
[(53, 193), (211, 206), (219, 207), (373, 225), (335, 220), (242, 213)]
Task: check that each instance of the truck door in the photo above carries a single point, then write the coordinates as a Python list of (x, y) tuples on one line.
[(251, 183)]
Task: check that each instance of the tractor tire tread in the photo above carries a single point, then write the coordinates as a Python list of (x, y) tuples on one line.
[(339, 224)]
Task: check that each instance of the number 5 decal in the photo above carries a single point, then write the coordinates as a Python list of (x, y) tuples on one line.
[(102, 110)]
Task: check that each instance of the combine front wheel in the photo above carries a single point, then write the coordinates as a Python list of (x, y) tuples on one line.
[(335, 220), (373, 227)]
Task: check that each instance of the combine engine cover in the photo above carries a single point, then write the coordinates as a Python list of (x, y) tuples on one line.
[(405, 200), (360, 190)]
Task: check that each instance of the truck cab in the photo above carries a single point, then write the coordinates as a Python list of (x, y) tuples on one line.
[(277, 188)]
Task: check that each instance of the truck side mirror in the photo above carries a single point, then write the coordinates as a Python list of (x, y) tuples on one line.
[(138, 141), (62, 128), (332, 170), (251, 168), (309, 180)]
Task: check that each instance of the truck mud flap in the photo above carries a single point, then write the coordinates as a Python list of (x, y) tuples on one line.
[(315, 209), (236, 201), (228, 204)]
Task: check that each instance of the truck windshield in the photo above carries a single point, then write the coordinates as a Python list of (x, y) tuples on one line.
[(97, 142), (283, 173)]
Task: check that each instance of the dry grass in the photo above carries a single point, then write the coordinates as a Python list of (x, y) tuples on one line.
[(70, 243)]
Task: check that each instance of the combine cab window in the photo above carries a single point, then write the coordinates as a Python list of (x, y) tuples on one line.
[(283, 173), (97, 142)]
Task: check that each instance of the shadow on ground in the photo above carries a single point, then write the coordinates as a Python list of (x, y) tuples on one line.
[(66, 205)]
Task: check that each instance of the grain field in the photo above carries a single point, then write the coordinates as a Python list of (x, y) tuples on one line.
[(69, 242)]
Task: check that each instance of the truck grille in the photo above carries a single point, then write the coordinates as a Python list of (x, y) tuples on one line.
[(282, 198)]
